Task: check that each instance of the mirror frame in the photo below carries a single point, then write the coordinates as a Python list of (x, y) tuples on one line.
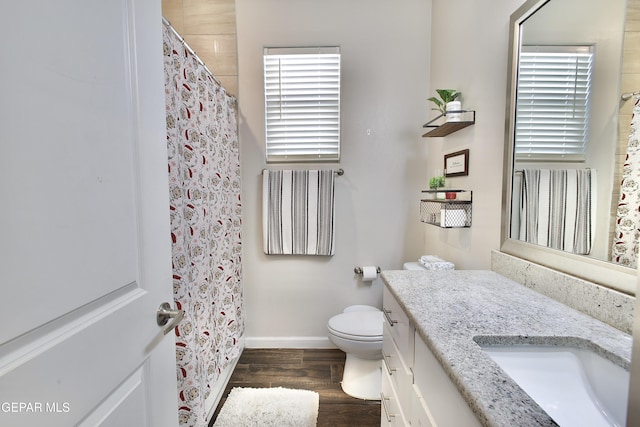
[(604, 273)]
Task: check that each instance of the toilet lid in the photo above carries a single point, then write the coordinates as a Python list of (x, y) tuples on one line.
[(358, 325)]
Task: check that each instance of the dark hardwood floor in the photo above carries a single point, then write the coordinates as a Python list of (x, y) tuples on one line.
[(319, 370)]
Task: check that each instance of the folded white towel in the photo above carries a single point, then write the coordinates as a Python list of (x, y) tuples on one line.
[(426, 259), (432, 262)]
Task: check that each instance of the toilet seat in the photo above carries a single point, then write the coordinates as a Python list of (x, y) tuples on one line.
[(363, 326)]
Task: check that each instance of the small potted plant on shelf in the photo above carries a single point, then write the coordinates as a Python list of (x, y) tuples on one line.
[(447, 102), (436, 182)]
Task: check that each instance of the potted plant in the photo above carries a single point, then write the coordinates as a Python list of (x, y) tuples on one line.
[(447, 102), (436, 182)]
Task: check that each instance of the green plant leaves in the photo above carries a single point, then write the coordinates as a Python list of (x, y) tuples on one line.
[(440, 105), (436, 182), (448, 95)]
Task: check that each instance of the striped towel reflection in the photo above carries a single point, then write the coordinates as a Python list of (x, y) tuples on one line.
[(298, 212), (556, 208)]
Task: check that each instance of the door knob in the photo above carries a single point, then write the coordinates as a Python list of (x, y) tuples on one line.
[(165, 313)]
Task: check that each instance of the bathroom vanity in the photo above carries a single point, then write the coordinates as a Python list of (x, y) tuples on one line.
[(438, 326)]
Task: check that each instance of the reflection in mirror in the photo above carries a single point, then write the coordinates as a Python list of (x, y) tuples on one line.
[(562, 171)]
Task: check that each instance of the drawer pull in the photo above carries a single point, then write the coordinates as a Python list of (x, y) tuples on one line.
[(387, 314), (385, 358), (383, 400)]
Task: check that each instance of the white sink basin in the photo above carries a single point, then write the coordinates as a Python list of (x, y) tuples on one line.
[(576, 387)]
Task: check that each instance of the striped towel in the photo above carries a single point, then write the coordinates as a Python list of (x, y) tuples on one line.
[(556, 208), (298, 212)]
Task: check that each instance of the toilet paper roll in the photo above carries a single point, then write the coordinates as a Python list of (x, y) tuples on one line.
[(453, 217), (369, 272)]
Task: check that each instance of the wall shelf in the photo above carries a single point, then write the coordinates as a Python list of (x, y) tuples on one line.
[(445, 128), (446, 212)]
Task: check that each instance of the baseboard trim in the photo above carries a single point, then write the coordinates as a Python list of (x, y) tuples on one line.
[(217, 389), (288, 342)]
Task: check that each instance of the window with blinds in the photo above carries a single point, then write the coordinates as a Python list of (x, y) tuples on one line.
[(552, 109), (302, 104)]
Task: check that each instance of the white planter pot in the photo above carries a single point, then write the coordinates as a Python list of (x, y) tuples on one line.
[(453, 106)]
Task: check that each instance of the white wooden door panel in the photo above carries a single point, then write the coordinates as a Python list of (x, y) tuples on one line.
[(67, 370), (117, 410), (84, 225), (68, 174)]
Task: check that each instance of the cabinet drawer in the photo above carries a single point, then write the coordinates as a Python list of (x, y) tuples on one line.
[(399, 326), (390, 412), (398, 370)]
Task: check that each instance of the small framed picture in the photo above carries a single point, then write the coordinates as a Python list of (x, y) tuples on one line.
[(457, 164)]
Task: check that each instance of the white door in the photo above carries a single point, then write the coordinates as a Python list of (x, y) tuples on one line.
[(85, 256)]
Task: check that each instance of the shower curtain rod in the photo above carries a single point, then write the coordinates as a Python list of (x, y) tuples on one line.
[(195, 55), (627, 95)]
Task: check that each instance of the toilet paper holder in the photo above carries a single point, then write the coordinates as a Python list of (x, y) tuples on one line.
[(358, 270)]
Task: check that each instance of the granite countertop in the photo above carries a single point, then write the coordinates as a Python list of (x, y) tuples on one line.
[(454, 310)]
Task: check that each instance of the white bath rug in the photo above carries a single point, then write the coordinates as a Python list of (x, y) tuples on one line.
[(253, 407)]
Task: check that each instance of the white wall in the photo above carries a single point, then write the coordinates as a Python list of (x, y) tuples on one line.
[(385, 50), (469, 53)]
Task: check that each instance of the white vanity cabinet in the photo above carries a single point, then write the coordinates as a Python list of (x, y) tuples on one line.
[(416, 390)]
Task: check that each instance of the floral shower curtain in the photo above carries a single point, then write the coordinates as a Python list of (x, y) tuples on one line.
[(204, 180), (625, 241)]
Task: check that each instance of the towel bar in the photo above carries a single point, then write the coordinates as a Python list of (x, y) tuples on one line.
[(338, 172)]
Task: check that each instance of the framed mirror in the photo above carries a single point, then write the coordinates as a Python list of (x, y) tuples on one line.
[(561, 177)]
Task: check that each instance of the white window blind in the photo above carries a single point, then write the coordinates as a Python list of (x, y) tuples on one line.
[(302, 104), (552, 109)]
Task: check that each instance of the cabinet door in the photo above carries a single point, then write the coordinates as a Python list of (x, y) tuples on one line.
[(420, 413), (441, 397)]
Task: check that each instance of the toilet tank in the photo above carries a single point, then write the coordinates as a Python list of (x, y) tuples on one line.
[(412, 266)]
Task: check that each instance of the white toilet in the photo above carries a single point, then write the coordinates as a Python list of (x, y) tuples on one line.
[(358, 332)]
